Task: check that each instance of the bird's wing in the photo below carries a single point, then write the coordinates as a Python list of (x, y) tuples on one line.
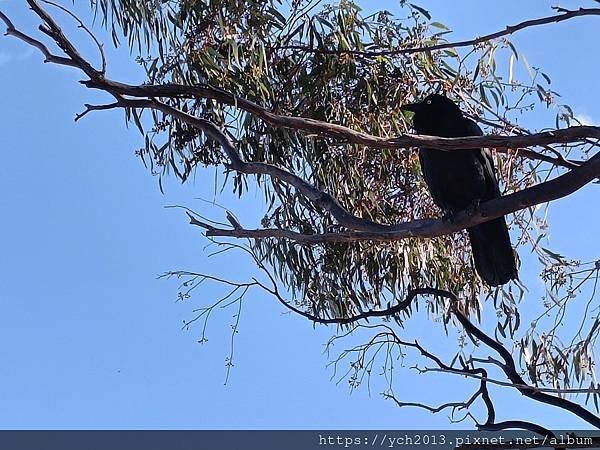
[(424, 171), (486, 160), (472, 128)]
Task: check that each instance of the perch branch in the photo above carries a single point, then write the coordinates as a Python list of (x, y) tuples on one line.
[(502, 144), (556, 188)]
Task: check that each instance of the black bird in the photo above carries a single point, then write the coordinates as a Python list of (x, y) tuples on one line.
[(460, 179)]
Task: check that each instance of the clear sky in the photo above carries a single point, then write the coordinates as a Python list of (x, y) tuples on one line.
[(89, 338)]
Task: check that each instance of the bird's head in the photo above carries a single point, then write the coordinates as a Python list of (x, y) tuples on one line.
[(431, 112), (433, 104)]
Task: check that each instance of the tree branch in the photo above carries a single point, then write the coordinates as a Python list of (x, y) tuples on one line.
[(482, 392), (50, 58), (512, 385), (510, 29), (502, 144), (84, 28), (556, 188), (51, 29), (509, 367)]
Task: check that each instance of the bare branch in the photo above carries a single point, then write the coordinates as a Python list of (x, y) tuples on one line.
[(509, 367), (432, 409), (50, 58), (513, 385), (89, 108), (120, 103), (52, 29), (84, 28), (482, 392)]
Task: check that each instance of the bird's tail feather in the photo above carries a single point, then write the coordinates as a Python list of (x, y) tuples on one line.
[(492, 252)]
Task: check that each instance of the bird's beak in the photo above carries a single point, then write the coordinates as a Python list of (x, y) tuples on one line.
[(412, 107)]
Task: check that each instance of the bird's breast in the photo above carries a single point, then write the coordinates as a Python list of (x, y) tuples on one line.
[(455, 178)]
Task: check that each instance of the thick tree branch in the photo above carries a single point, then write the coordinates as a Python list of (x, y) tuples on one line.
[(556, 188), (502, 144), (510, 29), (544, 192)]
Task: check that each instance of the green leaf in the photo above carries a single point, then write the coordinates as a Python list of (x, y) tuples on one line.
[(137, 121), (439, 25), (546, 77), (422, 11), (513, 49), (553, 255)]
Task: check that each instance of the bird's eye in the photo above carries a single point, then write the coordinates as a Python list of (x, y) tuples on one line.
[(429, 102)]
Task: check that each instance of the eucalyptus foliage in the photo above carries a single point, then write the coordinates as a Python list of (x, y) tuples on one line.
[(340, 64)]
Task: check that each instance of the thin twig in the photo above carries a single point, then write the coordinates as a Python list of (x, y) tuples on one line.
[(83, 26), (50, 58)]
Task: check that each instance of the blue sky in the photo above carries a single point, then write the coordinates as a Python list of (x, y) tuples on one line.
[(89, 338)]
